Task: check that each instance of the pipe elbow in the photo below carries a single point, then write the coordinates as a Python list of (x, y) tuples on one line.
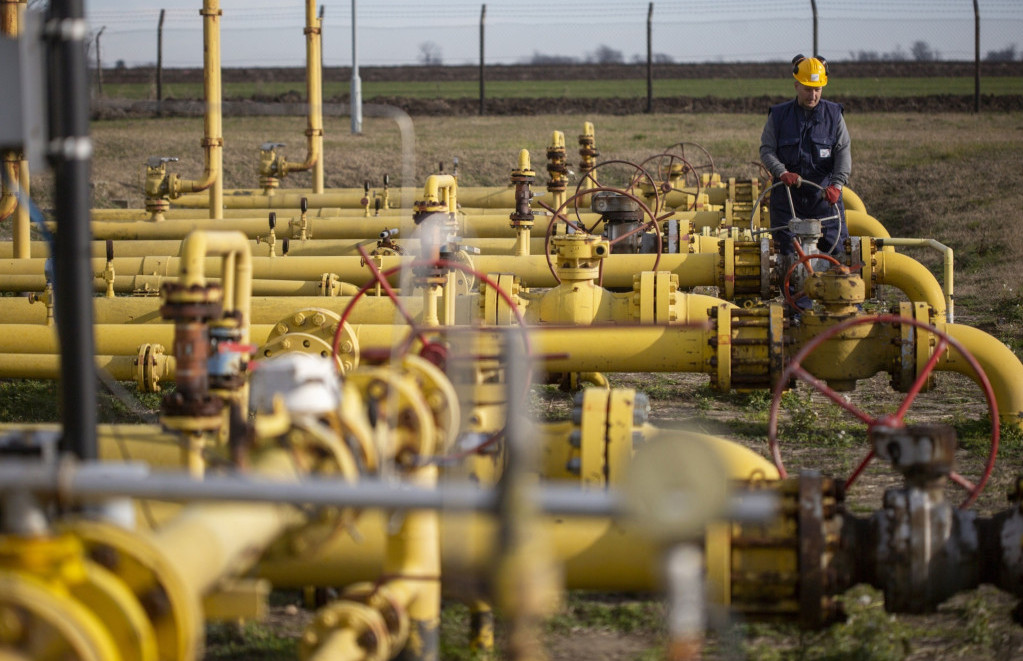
[(910, 276), (1002, 367), (860, 223)]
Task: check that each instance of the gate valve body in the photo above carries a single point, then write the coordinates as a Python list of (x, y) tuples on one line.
[(522, 178), (620, 214), (272, 166), (159, 185), (579, 255), (838, 290)]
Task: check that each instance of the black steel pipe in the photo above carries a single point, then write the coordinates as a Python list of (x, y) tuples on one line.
[(70, 155)]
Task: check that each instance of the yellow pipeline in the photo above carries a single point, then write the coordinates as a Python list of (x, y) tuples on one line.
[(852, 201), (145, 311), (948, 287), (213, 138), (296, 247), (122, 367), (862, 224), (314, 92), (1001, 365), (693, 269), (596, 554), (910, 276)]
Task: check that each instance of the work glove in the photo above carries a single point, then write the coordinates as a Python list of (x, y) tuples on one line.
[(833, 194), (791, 179)]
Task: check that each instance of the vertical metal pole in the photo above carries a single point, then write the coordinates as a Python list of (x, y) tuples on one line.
[(99, 63), (976, 57), (356, 88), (159, 59), (70, 154), (813, 7), (483, 19), (650, 58)]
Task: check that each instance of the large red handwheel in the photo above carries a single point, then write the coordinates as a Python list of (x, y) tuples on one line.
[(558, 214), (792, 269), (795, 369)]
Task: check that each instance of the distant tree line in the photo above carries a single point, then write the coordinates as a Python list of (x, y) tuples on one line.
[(921, 51)]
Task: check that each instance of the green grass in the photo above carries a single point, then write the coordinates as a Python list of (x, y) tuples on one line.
[(729, 88)]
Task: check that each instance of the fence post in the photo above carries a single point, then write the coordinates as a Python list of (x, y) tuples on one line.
[(813, 8), (649, 59), (483, 19), (159, 62), (99, 63), (976, 57)]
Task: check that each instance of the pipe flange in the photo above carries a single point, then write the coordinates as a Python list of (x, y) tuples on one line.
[(383, 600), (311, 331), (368, 626), (174, 611), (150, 366)]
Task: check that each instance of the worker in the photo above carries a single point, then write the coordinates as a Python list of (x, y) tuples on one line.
[(806, 139)]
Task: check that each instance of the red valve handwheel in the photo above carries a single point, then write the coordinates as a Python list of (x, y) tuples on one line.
[(795, 369)]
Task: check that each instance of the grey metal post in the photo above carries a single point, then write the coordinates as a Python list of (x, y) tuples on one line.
[(99, 63), (356, 87), (813, 6), (976, 57), (483, 19), (159, 59), (70, 155), (649, 59)]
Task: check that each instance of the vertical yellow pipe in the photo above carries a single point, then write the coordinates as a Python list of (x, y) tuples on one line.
[(214, 106), (413, 559), (314, 91)]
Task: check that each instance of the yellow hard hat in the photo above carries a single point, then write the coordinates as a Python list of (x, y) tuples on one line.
[(810, 71)]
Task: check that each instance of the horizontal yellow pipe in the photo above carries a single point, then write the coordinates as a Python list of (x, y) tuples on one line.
[(692, 269), (145, 310), (209, 541), (47, 366)]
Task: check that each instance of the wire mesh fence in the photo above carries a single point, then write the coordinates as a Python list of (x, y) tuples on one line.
[(403, 32)]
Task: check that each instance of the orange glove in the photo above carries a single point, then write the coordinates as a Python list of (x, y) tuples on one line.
[(833, 194), (791, 179)]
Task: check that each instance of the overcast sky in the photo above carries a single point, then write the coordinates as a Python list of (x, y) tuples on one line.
[(391, 32)]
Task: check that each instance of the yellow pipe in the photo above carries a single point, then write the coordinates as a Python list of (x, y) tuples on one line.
[(948, 261), (213, 139), (852, 201), (232, 248), (693, 270), (1003, 368), (296, 248), (209, 541), (909, 275), (314, 94), (47, 366), (862, 224), (597, 554), (441, 189), (145, 310), (148, 285)]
